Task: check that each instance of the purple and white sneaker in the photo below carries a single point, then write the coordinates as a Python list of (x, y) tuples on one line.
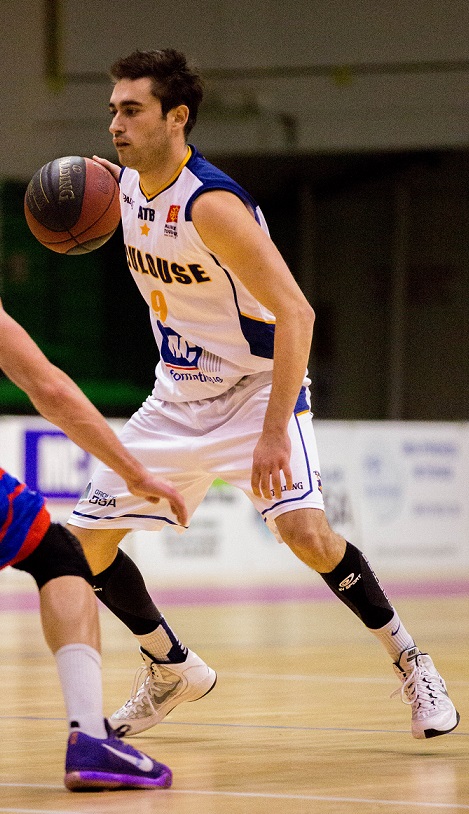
[(109, 763)]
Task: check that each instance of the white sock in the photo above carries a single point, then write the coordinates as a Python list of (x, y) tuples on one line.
[(394, 637), (79, 668), (162, 644)]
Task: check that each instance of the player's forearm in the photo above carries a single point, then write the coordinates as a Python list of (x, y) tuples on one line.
[(291, 353), (62, 403), (60, 400)]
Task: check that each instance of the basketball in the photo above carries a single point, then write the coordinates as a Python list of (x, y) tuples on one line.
[(72, 205)]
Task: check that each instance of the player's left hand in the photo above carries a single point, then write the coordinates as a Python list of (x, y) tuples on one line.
[(271, 457), (154, 489)]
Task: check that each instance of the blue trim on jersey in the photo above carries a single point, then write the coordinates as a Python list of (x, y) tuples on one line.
[(212, 178), (302, 402), (25, 508), (310, 480), (258, 334)]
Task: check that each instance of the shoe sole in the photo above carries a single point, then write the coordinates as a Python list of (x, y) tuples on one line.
[(153, 720), (433, 733), (90, 781)]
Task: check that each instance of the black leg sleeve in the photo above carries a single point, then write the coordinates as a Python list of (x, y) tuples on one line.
[(354, 582), (59, 554), (122, 589)]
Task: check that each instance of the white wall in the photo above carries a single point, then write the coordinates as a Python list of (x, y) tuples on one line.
[(335, 109)]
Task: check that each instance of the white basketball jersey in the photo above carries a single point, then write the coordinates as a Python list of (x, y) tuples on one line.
[(209, 329)]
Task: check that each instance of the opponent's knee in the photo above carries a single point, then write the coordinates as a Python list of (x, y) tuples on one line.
[(59, 554)]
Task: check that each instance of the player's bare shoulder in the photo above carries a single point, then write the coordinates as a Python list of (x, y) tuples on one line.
[(221, 218), (219, 203)]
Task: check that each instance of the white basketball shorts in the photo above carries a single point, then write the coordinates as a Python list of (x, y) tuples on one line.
[(193, 443)]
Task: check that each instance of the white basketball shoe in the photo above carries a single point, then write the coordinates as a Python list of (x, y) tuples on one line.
[(433, 712), (163, 686)]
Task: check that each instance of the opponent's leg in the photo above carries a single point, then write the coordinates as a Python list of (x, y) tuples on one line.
[(348, 574), (171, 673), (96, 758), (70, 624), (71, 628)]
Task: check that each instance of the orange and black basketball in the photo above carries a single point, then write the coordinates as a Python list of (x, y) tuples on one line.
[(72, 205)]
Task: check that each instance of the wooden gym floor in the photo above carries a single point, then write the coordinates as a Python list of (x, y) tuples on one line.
[(301, 719)]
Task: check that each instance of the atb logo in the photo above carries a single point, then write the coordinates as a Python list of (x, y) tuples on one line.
[(349, 581)]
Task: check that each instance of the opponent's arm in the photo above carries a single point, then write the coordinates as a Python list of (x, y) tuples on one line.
[(62, 402), (231, 232)]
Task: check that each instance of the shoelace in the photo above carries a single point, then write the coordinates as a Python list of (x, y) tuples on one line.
[(138, 678), (139, 695), (420, 686)]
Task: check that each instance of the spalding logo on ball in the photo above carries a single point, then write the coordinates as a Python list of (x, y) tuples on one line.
[(72, 205)]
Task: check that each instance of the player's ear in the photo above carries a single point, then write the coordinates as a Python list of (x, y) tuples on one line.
[(180, 114)]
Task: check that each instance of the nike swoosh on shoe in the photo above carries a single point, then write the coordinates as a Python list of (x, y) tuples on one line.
[(160, 698), (143, 762)]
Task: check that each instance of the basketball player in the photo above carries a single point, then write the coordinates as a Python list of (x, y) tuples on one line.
[(96, 758), (231, 393)]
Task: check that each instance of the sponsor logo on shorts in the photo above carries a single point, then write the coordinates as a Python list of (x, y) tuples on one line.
[(298, 485), (318, 478), (102, 498)]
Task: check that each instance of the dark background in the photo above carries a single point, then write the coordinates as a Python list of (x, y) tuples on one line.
[(378, 242)]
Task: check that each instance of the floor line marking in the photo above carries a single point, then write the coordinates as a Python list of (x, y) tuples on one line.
[(320, 798), (260, 727)]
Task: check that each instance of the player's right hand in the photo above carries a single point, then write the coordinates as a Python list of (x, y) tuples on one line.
[(271, 457)]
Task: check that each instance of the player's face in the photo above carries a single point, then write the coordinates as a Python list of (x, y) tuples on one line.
[(140, 132)]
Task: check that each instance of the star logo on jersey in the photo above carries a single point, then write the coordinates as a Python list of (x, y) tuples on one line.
[(170, 228), (145, 230)]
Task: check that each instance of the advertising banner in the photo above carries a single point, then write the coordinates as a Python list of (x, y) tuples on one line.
[(398, 490)]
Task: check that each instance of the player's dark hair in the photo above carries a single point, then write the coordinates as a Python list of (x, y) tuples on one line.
[(175, 82)]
